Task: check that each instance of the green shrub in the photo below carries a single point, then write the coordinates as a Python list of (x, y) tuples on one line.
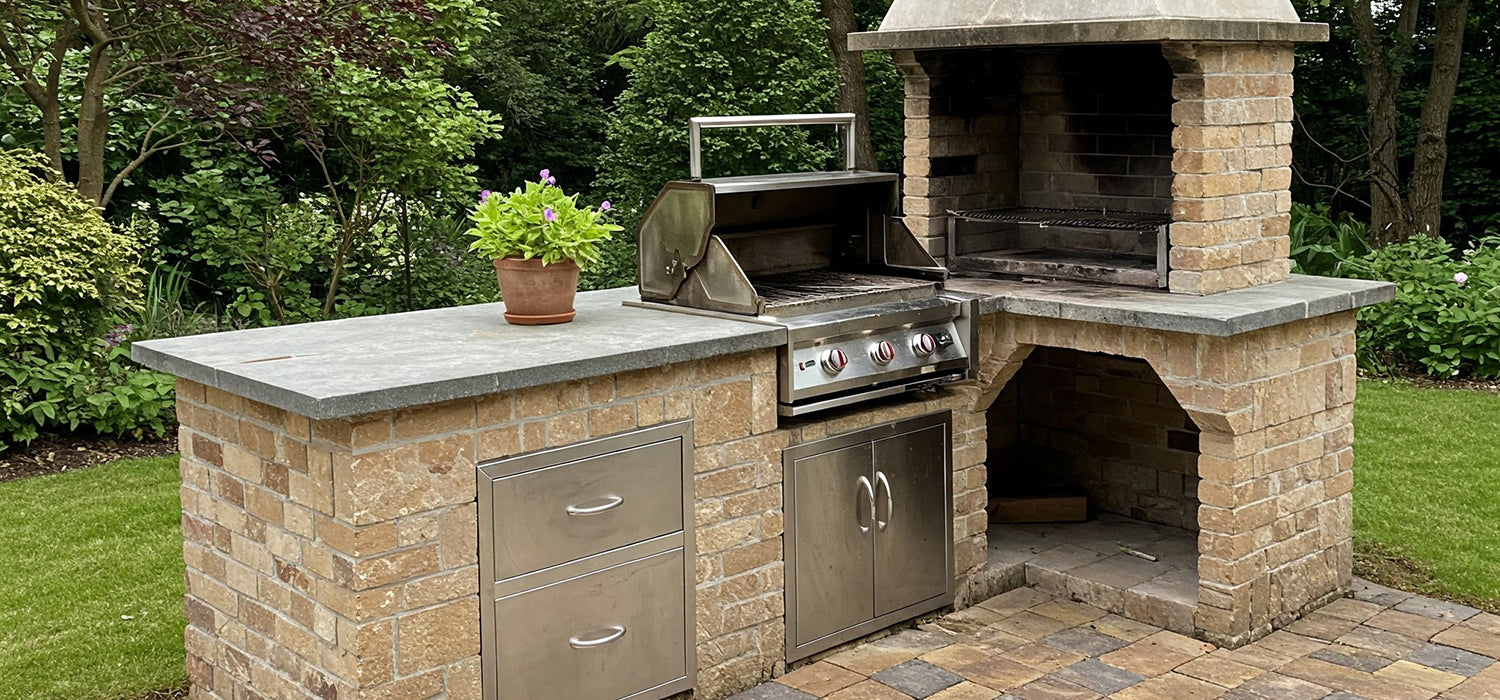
[(1446, 316), (66, 278), (1324, 245), (64, 272), (718, 58)]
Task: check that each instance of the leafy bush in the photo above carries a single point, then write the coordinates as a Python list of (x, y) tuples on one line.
[(539, 220), (100, 389), (718, 58), (66, 277), (1324, 245), (1446, 316), (64, 272)]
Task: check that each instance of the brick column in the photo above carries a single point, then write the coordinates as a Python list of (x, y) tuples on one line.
[(1232, 165)]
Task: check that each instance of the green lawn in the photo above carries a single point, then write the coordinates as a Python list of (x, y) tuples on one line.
[(1427, 488), (91, 583)]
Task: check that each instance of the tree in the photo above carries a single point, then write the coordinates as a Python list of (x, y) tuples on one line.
[(197, 65), (1403, 207), (546, 69), (853, 97), (744, 57)]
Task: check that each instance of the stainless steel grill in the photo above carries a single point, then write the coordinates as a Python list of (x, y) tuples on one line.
[(823, 255)]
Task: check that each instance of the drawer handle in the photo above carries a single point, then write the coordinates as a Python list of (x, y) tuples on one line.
[(596, 506), (597, 638)]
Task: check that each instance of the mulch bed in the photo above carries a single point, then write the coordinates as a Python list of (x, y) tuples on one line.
[(167, 694), (1428, 382), (1386, 567), (52, 455)]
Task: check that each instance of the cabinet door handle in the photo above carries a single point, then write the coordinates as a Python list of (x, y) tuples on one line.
[(884, 483), (596, 506), (863, 484), (597, 638)]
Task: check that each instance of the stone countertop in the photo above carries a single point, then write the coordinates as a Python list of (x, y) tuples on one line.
[(1224, 314), (346, 367)]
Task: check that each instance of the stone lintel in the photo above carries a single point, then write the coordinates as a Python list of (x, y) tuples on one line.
[(1089, 32), (1223, 314)]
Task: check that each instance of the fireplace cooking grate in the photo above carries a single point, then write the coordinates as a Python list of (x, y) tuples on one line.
[(1076, 218)]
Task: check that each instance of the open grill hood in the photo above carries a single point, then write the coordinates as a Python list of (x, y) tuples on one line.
[(944, 24)]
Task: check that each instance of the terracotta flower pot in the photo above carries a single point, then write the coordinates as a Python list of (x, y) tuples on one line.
[(537, 294)]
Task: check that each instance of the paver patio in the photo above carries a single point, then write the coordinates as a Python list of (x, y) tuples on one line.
[(1377, 644)]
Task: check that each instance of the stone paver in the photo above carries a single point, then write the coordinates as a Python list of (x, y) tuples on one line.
[(1378, 644), (1450, 659), (918, 678), (1084, 641), (1098, 676)]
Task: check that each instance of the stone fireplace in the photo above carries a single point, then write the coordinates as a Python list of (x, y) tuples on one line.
[(1100, 166)]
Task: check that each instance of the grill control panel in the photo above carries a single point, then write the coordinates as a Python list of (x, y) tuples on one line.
[(873, 358)]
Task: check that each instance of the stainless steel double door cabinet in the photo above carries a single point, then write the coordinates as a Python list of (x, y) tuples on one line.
[(869, 537)]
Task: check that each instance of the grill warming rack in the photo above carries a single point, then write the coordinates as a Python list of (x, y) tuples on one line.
[(1110, 247)]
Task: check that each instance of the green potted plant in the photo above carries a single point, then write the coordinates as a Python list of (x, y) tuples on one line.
[(539, 238)]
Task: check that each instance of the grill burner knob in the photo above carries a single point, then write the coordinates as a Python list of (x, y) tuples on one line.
[(835, 360), (883, 352), (923, 344)]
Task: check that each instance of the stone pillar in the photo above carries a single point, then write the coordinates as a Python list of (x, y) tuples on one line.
[(1232, 165)]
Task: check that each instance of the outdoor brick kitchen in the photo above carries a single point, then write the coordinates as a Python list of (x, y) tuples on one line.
[(368, 504)]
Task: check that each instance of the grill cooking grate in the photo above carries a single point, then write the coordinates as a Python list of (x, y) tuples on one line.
[(796, 288), (1074, 218)]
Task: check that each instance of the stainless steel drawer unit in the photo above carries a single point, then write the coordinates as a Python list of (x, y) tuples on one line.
[(869, 531), (587, 569)]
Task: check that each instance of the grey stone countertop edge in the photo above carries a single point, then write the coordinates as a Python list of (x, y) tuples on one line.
[(213, 360), (1224, 314)]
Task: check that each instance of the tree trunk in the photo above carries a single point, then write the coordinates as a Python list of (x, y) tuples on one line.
[(1384, 67), (851, 66), (52, 107), (1426, 198), (93, 126)]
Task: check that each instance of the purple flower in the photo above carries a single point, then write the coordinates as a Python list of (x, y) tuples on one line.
[(549, 215), (118, 334), (484, 196), (546, 174), (1461, 279), (551, 180), (605, 206)]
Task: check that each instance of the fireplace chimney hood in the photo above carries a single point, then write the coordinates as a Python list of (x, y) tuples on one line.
[(922, 25)]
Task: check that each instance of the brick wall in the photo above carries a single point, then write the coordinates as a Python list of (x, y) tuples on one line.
[(1106, 423), (338, 559), (1274, 409), (1096, 129), (962, 137)]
